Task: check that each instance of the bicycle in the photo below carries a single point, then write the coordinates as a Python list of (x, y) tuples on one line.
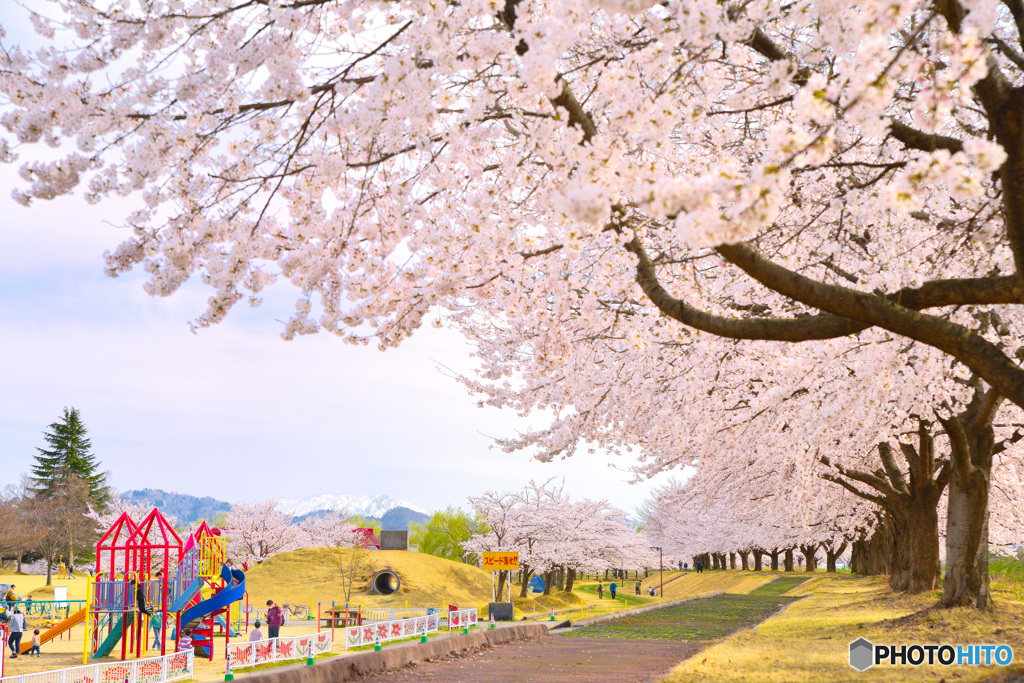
[(297, 611)]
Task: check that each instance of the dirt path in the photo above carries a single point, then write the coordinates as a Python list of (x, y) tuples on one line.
[(636, 648), (553, 660)]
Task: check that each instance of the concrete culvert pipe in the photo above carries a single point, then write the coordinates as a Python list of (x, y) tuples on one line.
[(385, 582)]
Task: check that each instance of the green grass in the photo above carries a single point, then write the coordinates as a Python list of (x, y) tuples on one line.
[(630, 598), (779, 586), (700, 620)]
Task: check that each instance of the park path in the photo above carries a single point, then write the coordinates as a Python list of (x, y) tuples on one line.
[(636, 648)]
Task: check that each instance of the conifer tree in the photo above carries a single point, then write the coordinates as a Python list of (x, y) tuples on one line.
[(68, 454)]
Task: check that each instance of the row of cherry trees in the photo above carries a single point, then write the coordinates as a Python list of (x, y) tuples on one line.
[(756, 238), (551, 532)]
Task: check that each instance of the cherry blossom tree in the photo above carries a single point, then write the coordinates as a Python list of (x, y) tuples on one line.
[(553, 533), (258, 531), (795, 173)]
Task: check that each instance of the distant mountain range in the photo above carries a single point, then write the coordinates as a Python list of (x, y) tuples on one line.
[(184, 507), (391, 512), (365, 506)]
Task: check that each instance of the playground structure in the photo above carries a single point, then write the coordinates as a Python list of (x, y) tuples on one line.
[(146, 565)]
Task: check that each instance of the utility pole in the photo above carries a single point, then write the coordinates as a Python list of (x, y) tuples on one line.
[(661, 571)]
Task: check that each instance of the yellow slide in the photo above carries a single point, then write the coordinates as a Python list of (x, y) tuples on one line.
[(54, 631)]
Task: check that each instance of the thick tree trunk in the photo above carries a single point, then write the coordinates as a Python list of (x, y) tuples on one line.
[(757, 560), (502, 577), (972, 445), (744, 562), (967, 581), (775, 560), (549, 580), (787, 562), (732, 560), (830, 556), (524, 576), (809, 552), (570, 579)]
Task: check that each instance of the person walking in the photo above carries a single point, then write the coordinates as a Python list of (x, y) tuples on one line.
[(274, 619), (638, 586), (155, 622), (600, 590), (611, 589), (17, 626), (36, 643), (700, 566), (186, 640), (256, 633)]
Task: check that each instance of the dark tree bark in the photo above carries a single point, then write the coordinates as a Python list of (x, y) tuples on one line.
[(830, 556), (972, 446), (788, 560), (525, 575), (732, 560), (570, 579), (549, 580), (745, 563), (502, 577), (810, 555), (775, 560), (912, 506), (757, 559)]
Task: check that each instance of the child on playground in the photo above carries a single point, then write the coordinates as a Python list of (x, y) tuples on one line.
[(36, 642), (186, 640), (256, 634)]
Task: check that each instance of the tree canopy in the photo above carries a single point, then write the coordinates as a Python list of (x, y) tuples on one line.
[(68, 454)]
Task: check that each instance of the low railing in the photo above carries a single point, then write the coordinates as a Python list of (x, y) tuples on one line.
[(112, 596), (462, 618), (151, 670), (257, 652), (399, 629), (375, 614), (45, 608)]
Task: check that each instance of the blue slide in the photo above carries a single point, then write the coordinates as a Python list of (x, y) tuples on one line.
[(219, 600), (186, 597)]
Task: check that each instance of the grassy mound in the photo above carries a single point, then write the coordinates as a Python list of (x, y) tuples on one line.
[(306, 576), (687, 584)]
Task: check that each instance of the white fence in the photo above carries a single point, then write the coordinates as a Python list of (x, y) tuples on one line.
[(461, 618), (375, 614), (152, 670), (278, 649), (367, 634)]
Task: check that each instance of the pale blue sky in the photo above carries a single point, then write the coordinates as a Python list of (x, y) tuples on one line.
[(233, 412)]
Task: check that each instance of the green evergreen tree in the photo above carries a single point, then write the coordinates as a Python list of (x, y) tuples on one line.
[(68, 454)]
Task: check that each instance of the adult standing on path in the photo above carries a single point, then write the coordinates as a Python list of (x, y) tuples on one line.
[(600, 590), (611, 589), (17, 626), (274, 619), (700, 566)]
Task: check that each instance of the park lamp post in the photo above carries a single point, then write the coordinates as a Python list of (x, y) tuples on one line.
[(661, 571)]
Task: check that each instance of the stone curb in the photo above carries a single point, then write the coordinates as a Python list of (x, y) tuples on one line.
[(639, 610), (356, 666)]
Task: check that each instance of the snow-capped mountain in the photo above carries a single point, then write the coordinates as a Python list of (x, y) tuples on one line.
[(366, 506)]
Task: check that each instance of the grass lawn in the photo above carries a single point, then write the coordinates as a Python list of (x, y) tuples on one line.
[(809, 641), (698, 620)]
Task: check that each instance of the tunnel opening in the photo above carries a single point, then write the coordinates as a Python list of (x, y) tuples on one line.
[(385, 582)]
